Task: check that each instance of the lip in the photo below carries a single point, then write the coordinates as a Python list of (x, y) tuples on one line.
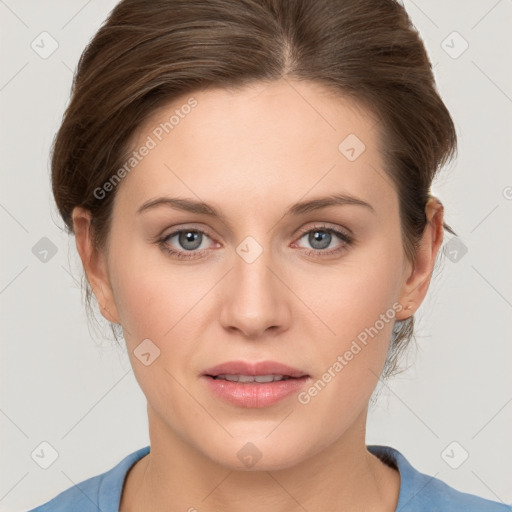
[(253, 369), (254, 394)]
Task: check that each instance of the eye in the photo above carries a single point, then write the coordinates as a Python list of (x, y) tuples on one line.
[(321, 237), (188, 240)]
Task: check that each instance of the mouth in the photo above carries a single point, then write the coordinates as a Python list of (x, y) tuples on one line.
[(254, 385)]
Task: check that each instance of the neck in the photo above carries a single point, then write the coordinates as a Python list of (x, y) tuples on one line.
[(343, 476)]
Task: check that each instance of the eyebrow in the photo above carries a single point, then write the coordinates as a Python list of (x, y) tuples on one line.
[(301, 208)]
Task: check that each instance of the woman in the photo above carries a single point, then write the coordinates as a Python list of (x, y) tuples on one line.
[(249, 183)]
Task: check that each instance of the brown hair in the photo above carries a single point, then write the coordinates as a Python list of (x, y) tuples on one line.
[(148, 53)]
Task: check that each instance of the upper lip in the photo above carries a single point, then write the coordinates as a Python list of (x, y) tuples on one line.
[(253, 369)]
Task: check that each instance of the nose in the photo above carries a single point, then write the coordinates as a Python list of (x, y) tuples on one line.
[(255, 298)]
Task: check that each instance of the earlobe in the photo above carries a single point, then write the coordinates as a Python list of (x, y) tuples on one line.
[(94, 264), (417, 282)]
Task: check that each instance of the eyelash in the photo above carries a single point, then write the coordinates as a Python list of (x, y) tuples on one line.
[(188, 255)]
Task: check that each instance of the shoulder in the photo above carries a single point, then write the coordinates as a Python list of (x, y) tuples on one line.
[(82, 497), (421, 493), (101, 492)]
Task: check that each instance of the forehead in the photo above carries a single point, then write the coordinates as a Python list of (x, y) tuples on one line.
[(291, 137)]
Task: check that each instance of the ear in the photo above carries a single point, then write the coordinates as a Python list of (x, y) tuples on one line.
[(415, 287), (94, 263)]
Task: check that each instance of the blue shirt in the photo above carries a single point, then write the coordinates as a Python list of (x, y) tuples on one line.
[(418, 491)]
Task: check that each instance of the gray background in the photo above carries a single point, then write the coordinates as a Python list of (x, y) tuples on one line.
[(62, 385)]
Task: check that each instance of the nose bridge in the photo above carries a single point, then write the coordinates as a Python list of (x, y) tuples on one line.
[(251, 272), (253, 301)]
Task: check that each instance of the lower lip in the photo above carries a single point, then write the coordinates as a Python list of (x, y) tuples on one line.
[(255, 394)]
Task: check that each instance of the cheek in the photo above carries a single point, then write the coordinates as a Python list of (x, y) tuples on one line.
[(156, 309), (141, 305), (149, 293), (164, 303), (359, 306), (352, 297)]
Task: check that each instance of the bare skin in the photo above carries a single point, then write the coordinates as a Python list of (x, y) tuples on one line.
[(252, 153)]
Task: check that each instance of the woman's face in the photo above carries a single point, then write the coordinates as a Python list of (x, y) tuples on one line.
[(265, 280)]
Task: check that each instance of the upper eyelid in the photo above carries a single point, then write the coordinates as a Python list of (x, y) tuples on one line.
[(325, 227), (176, 231)]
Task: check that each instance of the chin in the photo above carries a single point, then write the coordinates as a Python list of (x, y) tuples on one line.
[(242, 454)]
